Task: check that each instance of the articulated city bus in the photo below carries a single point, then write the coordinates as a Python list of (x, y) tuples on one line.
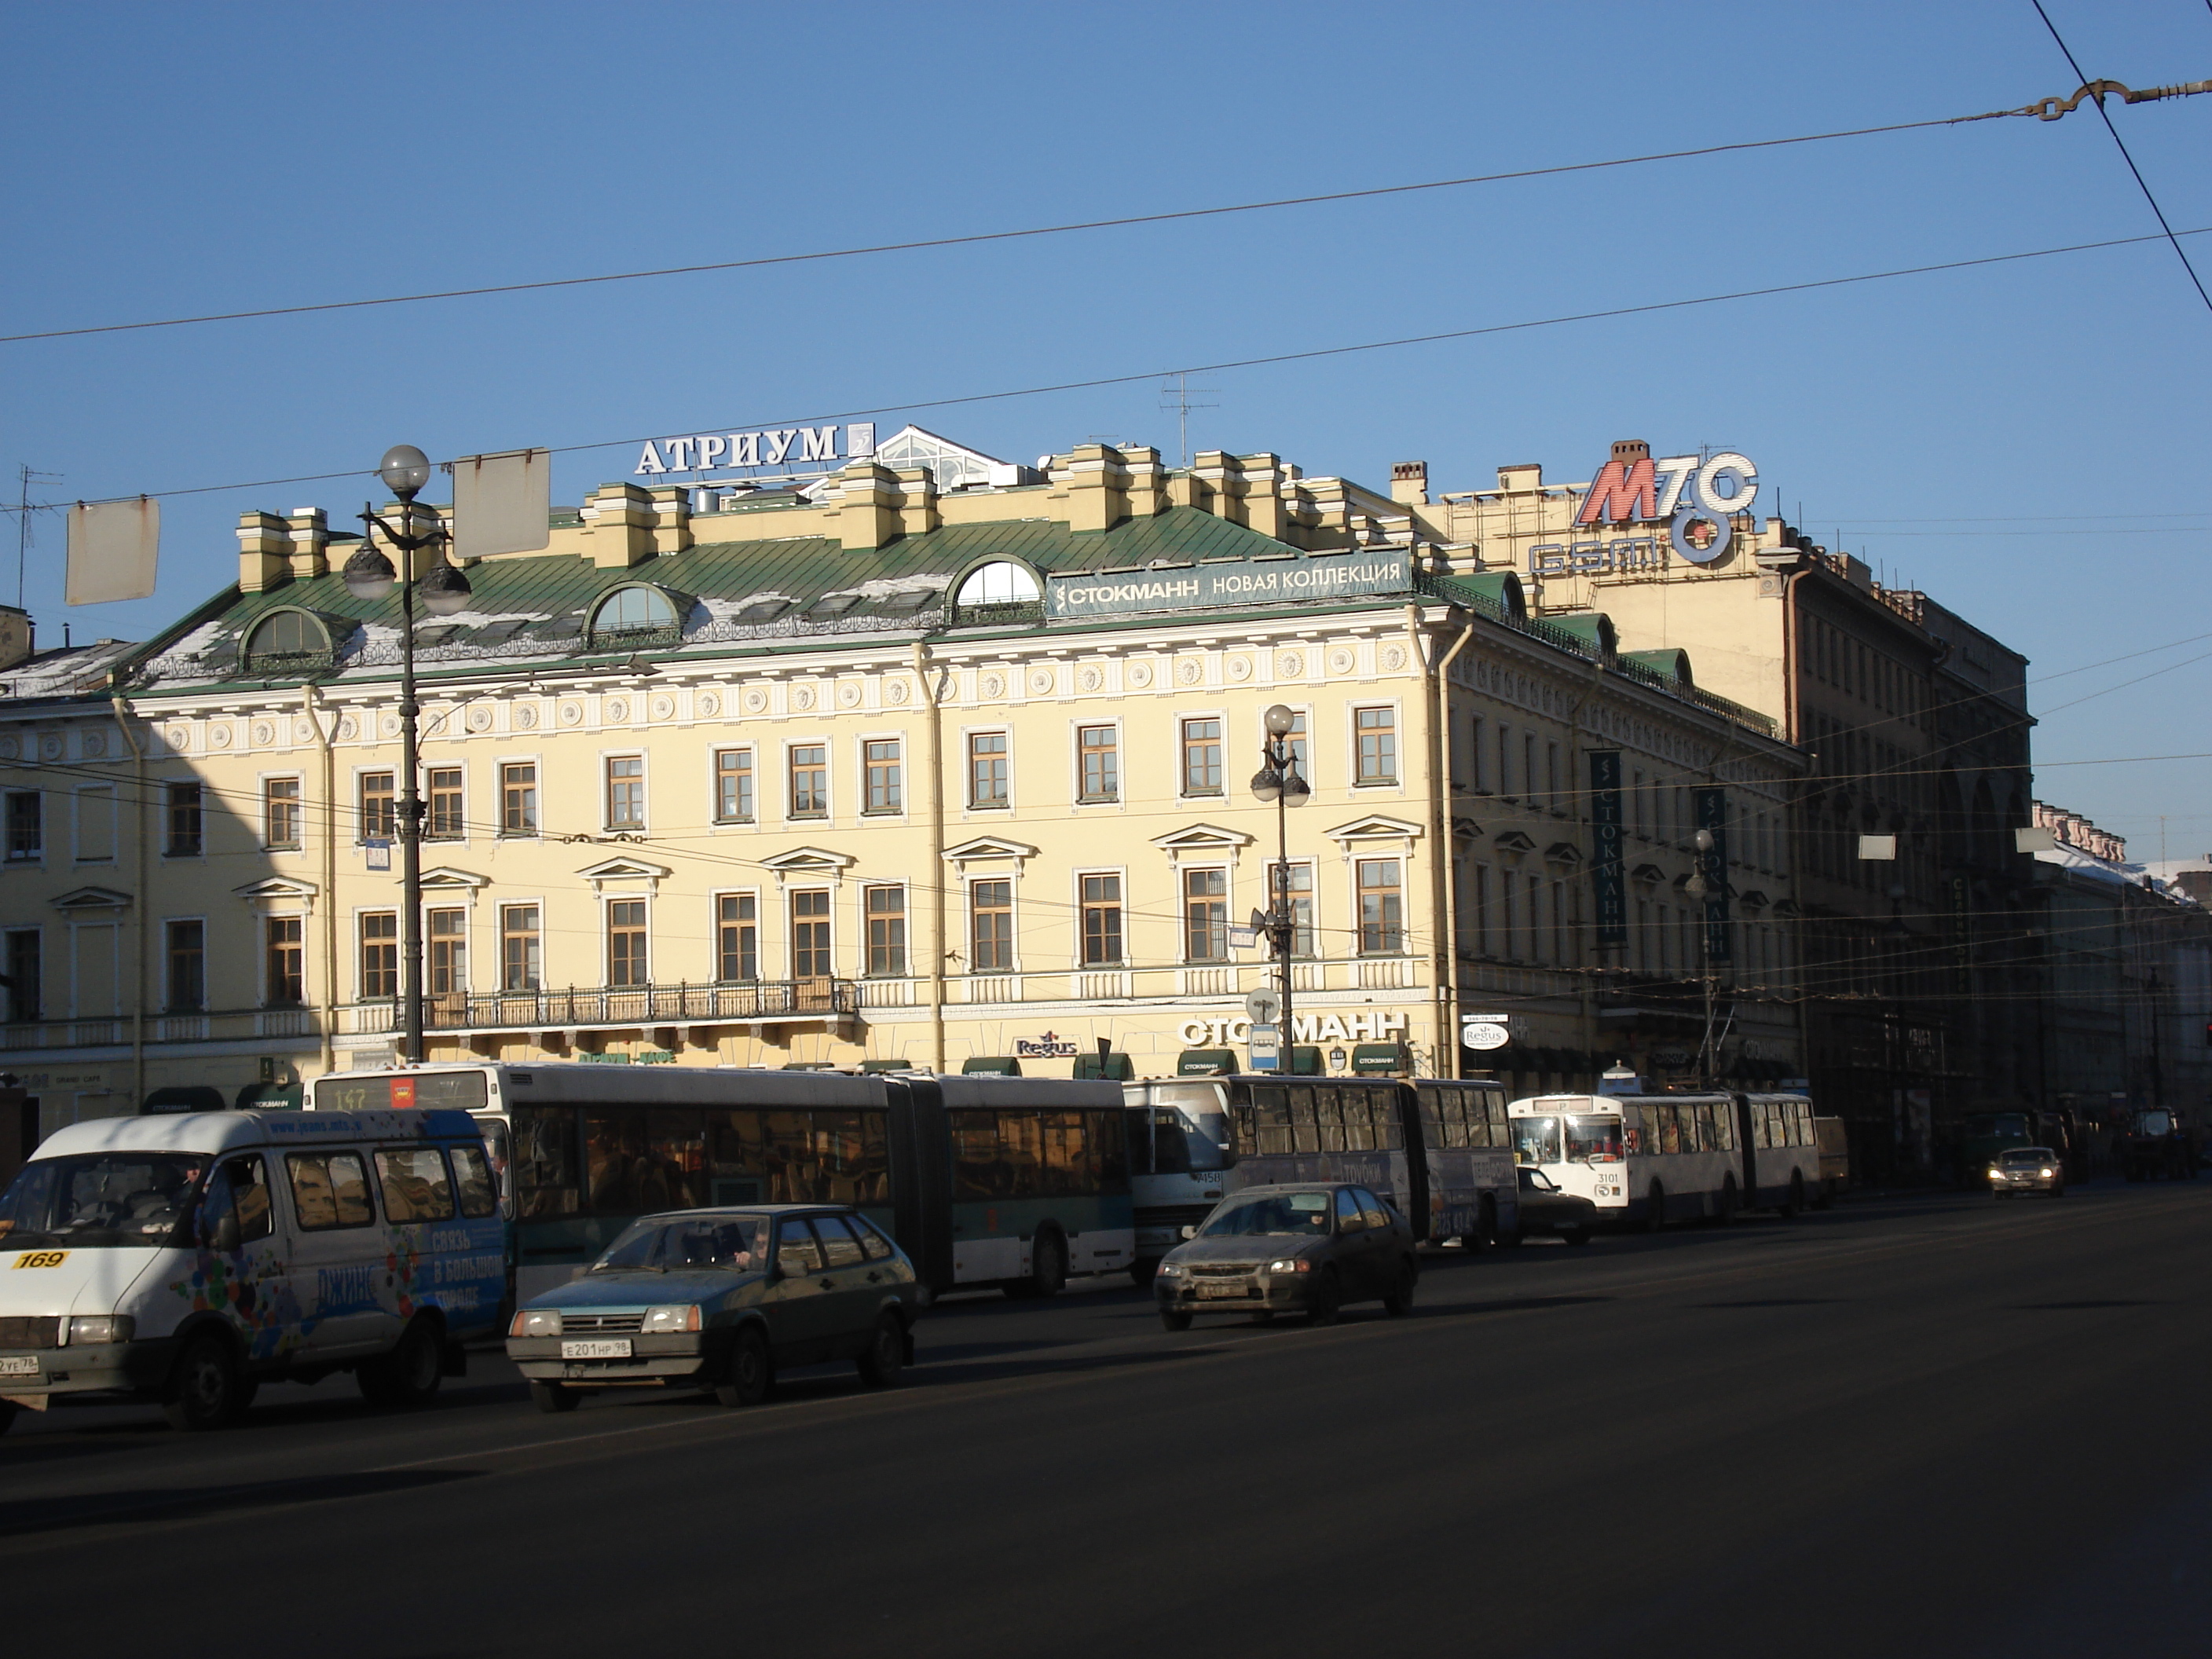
[(1439, 1150), (986, 1181), (1656, 1158)]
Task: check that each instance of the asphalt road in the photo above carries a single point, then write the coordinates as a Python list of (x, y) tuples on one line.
[(1920, 1425)]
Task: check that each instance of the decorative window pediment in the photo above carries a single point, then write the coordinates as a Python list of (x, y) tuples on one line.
[(1513, 841), (1563, 851), (1465, 829), (92, 898), (277, 887), (809, 863), (988, 847), (1650, 874), (1753, 900), (447, 881), (623, 873), (1374, 827), (1202, 841)]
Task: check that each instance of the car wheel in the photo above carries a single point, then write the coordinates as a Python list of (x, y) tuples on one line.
[(202, 1390), (553, 1398), (1579, 1236), (751, 1372), (1175, 1321), (7, 1411), (1654, 1208), (1724, 1205), (2058, 1191), (886, 1353), (409, 1375), (1328, 1295), (1399, 1301)]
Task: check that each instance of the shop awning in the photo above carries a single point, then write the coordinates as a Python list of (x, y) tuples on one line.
[(184, 1097), (991, 1066), (267, 1097), (1205, 1062), (1381, 1060), (1114, 1068)]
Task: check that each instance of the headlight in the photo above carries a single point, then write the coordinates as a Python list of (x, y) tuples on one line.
[(1170, 1269), (536, 1322), (1297, 1264), (2046, 1173), (660, 1321), (1996, 1175), (100, 1328)]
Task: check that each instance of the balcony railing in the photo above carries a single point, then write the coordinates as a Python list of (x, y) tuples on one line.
[(760, 1002)]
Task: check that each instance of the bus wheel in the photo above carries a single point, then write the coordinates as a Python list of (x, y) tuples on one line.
[(1174, 1321), (1579, 1236), (1654, 1208), (751, 1374), (1047, 1268), (552, 1397), (1327, 1297), (1794, 1204), (1724, 1205), (886, 1352), (1486, 1228), (204, 1390)]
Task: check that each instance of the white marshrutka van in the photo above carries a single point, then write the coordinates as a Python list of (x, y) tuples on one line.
[(188, 1258)]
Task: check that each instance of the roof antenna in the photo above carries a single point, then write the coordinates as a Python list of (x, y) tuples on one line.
[(1177, 398), (24, 475)]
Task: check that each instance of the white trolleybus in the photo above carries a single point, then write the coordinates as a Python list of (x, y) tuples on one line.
[(986, 1182), (1649, 1160), (1437, 1148)]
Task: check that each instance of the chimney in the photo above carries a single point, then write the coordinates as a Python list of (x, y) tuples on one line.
[(1631, 449), (15, 635), (264, 552), (1409, 482), (311, 543)]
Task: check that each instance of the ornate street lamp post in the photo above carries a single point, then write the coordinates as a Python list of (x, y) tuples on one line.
[(443, 590), (1277, 782)]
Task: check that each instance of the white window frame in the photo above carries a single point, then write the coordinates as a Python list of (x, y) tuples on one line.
[(500, 831), (607, 826), (828, 813), (890, 814), (1013, 913)]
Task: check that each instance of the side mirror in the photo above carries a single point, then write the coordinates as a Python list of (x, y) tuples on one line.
[(1190, 1232)]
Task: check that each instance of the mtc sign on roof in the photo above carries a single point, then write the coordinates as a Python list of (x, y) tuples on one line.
[(1695, 495)]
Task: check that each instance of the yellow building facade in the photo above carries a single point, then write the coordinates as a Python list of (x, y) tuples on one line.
[(876, 771)]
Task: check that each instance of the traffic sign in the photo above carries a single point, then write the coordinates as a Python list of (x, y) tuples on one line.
[(1264, 1007), (1265, 1043)]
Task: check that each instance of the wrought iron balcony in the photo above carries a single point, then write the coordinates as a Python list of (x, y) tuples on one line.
[(757, 1002)]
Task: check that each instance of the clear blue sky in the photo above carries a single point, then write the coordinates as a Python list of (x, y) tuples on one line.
[(1999, 436)]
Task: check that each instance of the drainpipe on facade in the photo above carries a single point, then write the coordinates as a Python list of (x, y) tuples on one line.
[(140, 901), (1790, 652), (1423, 742), (312, 702), (1444, 821), (1580, 789), (936, 881)]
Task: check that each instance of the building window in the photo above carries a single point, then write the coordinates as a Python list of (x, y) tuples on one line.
[(810, 781), (626, 792), (886, 911), (181, 803), (733, 786), (1299, 880), (986, 769), (1382, 909), (810, 935), (379, 819), (1201, 757), (1206, 915), (1099, 749), (886, 791), (737, 937), (1378, 732), (448, 940), (1476, 779), (445, 821), (1295, 741), (1482, 910), (186, 949), (1102, 921), (379, 956), (284, 960), (1553, 798), (626, 962), (517, 799), (24, 982), (991, 913), (521, 966), (279, 813)]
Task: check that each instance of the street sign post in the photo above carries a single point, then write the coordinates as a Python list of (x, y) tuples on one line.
[(1265, 1043)]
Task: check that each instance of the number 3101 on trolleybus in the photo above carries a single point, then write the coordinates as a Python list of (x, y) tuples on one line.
[(986, 1182)]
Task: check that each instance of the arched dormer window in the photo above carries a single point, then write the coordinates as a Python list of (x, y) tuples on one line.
[(289, 640), (1002, 583), (636, 615)]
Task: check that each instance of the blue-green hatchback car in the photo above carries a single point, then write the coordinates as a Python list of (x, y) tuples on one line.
[(720, 1300)]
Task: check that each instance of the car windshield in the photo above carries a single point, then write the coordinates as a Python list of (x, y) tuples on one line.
[(659, 1245), (1274, 1215), (2027, 1157), (1536, 1140), (102, 1199), (2155, 1123), (1593, 1140)]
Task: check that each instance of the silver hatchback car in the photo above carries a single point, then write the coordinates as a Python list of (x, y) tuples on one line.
[(2027, 1170)]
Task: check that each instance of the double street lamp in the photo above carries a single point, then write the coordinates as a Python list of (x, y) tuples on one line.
[(368, 574), (1277, 782)]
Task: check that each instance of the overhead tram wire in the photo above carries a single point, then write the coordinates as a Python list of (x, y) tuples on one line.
[(2046, 109), (1645, 308), (2103, 114)]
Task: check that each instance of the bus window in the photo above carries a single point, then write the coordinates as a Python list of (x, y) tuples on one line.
[(1802, 1110), (1724, 1126), (1593, 1140), (1107, 1147), (675, 1154), (1062, 1171), (1500, 1134), (1302, 1137), (1266, 1127), (1535, 1140), (1386, 1129), (1670, 1128), (544, 1166)]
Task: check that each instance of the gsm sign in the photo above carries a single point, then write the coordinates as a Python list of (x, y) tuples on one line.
[(1696, 496)]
